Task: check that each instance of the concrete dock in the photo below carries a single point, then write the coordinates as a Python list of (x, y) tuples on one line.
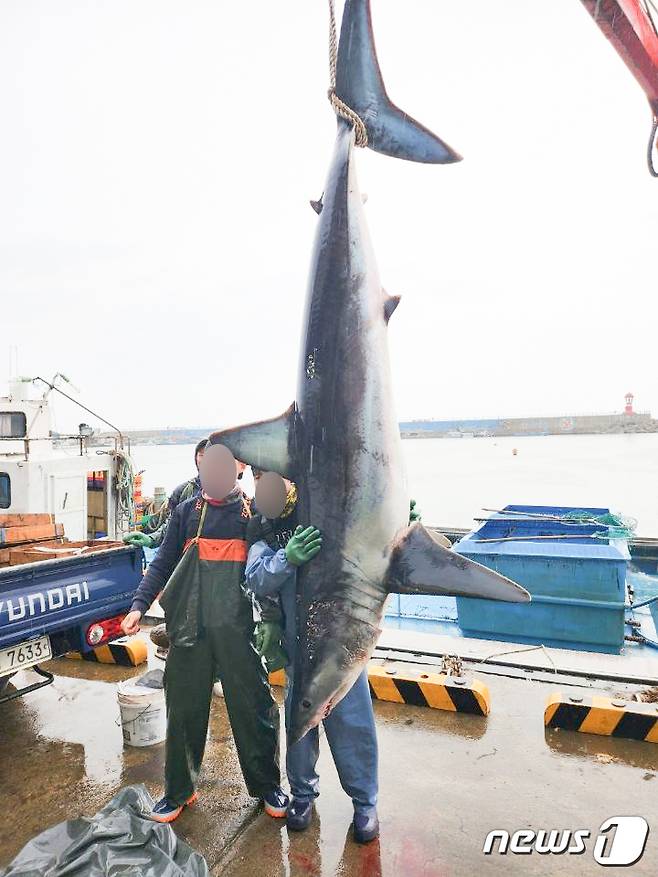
[(447, 779)]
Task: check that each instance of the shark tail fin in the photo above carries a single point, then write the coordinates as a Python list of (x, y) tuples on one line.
[(265, 444), (359, 84), (421, 564)]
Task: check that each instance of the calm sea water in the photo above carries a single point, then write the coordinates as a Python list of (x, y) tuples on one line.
[(453, 480)]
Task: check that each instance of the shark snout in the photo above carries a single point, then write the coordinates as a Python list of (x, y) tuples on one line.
[(306, 718)]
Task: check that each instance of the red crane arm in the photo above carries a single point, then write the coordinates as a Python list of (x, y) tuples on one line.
[(630, 28), (627, 25)]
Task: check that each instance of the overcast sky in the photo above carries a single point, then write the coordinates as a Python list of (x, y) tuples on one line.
[(156, 161)]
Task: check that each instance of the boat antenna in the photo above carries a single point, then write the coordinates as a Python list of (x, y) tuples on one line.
[(84, 407)]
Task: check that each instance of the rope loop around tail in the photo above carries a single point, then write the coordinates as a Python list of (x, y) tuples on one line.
[(340, 107)]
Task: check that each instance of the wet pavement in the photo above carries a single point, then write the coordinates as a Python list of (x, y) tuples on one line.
[(63, 756), (446, 781)]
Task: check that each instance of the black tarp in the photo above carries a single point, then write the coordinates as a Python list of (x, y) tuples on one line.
[(117, 842)]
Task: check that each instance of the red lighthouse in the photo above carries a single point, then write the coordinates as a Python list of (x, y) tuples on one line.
[(629, 404)]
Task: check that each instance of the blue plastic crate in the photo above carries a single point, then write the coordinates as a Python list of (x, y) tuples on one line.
[(578, 584)]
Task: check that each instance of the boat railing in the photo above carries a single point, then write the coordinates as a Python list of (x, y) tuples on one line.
[(82, 441)]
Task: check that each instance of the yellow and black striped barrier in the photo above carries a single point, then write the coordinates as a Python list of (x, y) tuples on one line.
[(129, 653), (436, 690), (600, 715)]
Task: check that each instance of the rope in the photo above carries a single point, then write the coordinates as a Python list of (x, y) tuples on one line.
[(517, 651), (653, 143), (125, 481), (340, 107), (152, 520)]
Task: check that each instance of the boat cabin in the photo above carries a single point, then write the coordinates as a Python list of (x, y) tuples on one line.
[(87, 489)]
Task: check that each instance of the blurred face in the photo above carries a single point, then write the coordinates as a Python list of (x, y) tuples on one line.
[(271, 494), (218, 471)]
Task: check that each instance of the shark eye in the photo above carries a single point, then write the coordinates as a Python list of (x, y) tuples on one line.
[(306, 704)]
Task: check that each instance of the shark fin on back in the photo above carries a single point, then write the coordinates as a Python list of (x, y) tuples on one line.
[(360, 85), (421, 564), (390, 304), (264, 444)]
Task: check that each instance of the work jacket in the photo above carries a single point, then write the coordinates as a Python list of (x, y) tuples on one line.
[(221, 539)]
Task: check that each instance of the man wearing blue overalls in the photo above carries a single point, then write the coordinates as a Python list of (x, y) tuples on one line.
[(276, 548)]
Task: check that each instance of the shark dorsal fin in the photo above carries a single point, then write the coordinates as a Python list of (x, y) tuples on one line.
[(421, 564), (390, 304), (264, 444)]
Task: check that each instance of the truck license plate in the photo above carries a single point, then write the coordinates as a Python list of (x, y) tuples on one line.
[(24, 655)]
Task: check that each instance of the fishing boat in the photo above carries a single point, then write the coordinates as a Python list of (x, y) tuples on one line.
[(88, 490)]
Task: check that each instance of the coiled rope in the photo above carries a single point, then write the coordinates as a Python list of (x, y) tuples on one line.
[(340, 107), (125, 485)]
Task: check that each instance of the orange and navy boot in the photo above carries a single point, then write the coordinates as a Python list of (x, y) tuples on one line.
[(165, 811), (276, 803)]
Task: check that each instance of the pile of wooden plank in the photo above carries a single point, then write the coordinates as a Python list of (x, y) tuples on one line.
[(17, 529), (27, 530), (28, 538), (51, 550)]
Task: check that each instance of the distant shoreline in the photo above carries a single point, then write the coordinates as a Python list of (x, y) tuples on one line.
[(613, 425), (429, 434)]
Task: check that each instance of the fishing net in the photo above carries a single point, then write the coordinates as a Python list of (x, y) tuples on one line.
[(617, 526)]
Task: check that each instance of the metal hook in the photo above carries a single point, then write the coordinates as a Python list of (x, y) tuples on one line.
[(653, 144)]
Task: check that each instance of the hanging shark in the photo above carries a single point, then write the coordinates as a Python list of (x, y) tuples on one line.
[(340, 440)]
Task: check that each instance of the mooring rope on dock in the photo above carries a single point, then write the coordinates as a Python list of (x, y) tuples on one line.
[(517, 651)]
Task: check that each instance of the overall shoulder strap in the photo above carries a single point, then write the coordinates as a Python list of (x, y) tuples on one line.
[(202, 518)]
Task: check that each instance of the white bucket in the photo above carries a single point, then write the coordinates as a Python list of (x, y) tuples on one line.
[(143, 714)]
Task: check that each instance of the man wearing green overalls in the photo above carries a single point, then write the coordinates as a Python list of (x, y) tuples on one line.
[(201, 567)]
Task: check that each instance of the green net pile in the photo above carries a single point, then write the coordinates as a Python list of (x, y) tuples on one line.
[(617, 526)]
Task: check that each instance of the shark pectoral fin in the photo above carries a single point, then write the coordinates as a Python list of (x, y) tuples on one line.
[(420, 564), (265, 444), (390, 304), (360, 85)]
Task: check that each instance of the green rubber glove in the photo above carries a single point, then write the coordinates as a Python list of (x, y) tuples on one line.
[(269, 645), (137, 538), (414, 514), (303, 545)]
